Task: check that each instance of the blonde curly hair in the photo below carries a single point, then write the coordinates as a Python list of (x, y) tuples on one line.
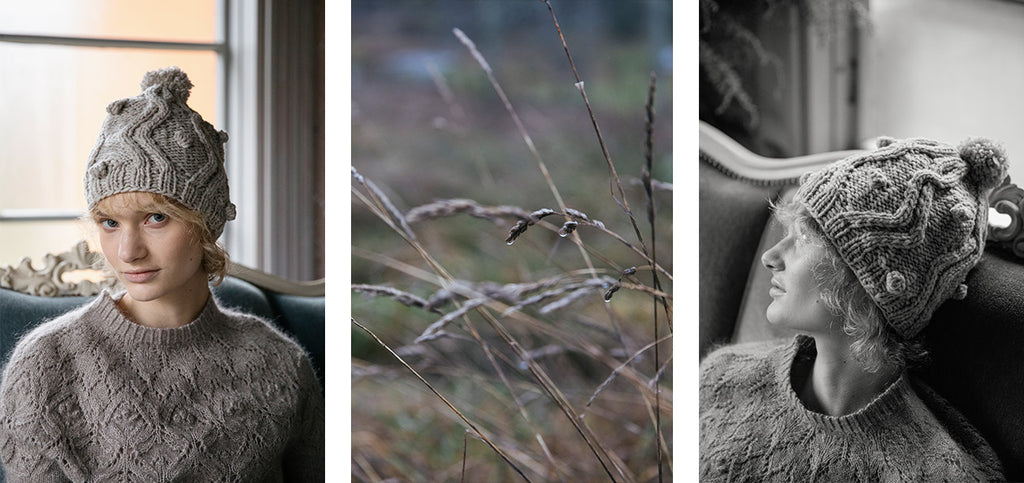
[(875, 344)]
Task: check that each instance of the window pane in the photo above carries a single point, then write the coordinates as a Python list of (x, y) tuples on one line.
[(35, 239), (55, 106), (180, 20)]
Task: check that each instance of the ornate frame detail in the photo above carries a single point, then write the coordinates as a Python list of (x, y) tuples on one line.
[(733, 159), (48, 281), (1008, 199)]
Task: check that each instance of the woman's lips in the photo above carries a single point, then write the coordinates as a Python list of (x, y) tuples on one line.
[(775, 290), (140, 276)]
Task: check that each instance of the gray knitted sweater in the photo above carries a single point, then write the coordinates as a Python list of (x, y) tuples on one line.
[(753, 427), (91, 396)]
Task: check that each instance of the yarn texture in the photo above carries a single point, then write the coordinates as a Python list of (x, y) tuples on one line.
[(753, 427), (154, 142), (92, 396), (910, 219)]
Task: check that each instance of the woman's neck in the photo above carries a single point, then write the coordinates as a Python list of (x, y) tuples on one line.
[(837, 384), (169, 311)]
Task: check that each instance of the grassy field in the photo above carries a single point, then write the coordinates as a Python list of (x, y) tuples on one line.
[(517, 367)]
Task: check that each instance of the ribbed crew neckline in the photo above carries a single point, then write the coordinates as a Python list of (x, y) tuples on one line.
[(891, 402), (113, 323)]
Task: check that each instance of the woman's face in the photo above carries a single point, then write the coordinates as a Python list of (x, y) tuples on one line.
[(796, 297), (152, 254)]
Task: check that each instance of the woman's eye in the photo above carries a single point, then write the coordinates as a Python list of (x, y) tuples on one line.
[(157, 218), (108, 224)]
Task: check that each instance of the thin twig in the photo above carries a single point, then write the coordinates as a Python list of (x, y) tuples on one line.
[(646, 176), (522, 131), (465, 444), (617, 370), (597, 129), (443, 399), (402, 297)]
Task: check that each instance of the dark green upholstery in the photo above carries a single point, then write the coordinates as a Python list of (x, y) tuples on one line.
[(304, 318)]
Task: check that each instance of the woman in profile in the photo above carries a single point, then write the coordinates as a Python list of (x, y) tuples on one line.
[(873, 245), (158, 382)]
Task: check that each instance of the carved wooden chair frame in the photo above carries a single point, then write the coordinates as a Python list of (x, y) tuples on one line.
[(52, 279)]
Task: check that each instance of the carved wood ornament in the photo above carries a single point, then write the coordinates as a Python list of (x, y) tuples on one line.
[(49, 281), (1008, 199), (78, 272)]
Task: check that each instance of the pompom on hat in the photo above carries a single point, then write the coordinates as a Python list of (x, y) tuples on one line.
[(910, 219), (155, 143)]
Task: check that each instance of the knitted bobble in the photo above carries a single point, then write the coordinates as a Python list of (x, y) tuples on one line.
[(895, 283), (100, 170), (223, 136), (986, 162), (182, 139), (230, 211), (960, 293), (171, 78), (879, 181), (115, 108), (963, 213), (884, 141)]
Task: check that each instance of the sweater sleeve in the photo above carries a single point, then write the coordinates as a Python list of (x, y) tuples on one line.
[(30, 444), (304, 459)]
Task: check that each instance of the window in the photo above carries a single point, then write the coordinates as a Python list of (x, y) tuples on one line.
[(61, 66), (258, 70), (945, 69)]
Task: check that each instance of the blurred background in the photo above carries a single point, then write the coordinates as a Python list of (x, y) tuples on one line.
[(257, 68), (427, 125), (794, 77)]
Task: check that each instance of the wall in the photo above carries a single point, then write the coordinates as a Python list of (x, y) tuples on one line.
[(946, 69)]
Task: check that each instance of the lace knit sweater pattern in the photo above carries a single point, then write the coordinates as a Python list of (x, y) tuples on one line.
[(92, 396), (753, 427)]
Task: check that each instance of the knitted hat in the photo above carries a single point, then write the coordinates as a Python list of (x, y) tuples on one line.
[(154, 142), (910, 220)]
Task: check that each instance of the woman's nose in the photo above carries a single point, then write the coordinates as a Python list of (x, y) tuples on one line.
[(771, 259), (130, 247)]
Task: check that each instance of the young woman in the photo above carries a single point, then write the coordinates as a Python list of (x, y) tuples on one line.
[(158, 382), (873, 245)]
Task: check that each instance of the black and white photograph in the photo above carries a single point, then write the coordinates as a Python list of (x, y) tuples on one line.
[(861, 257)]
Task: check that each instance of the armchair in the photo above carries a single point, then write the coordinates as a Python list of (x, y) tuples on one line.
[(974, 344)]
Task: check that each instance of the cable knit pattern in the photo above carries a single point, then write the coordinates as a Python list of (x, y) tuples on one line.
[(92, 396), (910, 220), (155, 143), (753, 427)]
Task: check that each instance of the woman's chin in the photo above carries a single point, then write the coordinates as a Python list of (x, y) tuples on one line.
[(140, 293), (772, 315)]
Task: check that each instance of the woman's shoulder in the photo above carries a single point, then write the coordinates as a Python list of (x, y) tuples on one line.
[(746, 354), (261, 330), (958, 435), (53, 333), (737, 366), (44, 349)]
